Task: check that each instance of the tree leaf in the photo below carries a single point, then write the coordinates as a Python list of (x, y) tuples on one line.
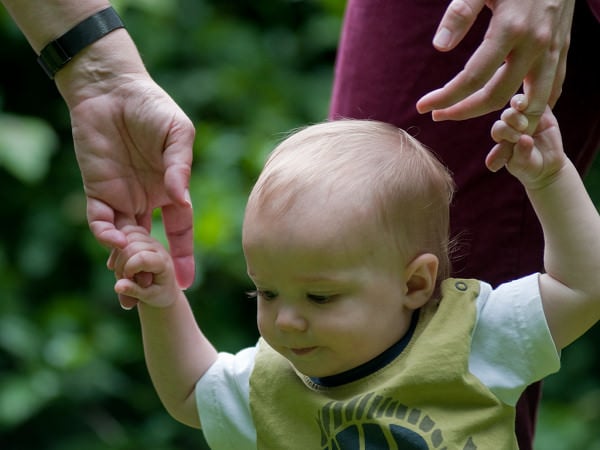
[(26, 145)]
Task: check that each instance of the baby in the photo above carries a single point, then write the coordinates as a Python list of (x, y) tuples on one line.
[(365, 340)]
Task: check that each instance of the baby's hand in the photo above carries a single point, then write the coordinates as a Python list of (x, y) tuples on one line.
[(144, 270), (534, 160)]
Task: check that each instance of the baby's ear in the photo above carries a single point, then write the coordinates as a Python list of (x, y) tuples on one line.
[(421, 276)]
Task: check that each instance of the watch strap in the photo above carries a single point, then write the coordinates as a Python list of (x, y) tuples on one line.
[(59, 52)]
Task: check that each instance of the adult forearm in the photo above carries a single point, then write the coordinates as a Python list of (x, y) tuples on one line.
[(177, 355), (43, 21)]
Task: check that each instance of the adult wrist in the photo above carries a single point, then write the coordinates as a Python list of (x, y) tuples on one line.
[(59, 52), (103, 67)]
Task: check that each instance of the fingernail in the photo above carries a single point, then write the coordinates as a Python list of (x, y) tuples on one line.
[(497, 165), (520, 101), (188, 197), (442, 38), (520, 104)]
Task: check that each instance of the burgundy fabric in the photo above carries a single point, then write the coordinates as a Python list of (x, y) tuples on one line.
[(595, 7), (386, 62)]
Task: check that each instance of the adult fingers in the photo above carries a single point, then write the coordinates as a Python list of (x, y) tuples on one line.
[(177, 157), (491, 97), (178, 215), (456, 22), (479, 70), (487, 91), (561, 73), (179, 231), (543, 84), (101, 220), (561, 41)]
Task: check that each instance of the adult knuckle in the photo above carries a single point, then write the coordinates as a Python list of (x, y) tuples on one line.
[(473, 80), (543, 38), (461, 10)]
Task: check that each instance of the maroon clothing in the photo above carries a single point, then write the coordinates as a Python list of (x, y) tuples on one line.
[(386, 62)]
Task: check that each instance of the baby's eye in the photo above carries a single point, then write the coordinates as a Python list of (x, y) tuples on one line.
[(262, 294), (318, 298)]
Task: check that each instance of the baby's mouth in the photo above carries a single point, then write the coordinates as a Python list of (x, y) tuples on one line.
[(301, 351)]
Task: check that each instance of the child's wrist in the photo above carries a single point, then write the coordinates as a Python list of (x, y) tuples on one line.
[(548, 180), (162, 303)]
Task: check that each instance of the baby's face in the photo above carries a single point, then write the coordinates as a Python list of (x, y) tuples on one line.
[(330, 292)]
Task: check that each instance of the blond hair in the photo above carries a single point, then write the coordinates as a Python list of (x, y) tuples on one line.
[(403, 185)]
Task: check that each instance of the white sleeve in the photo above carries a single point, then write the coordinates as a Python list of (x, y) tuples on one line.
[(511, 344), (222, 399)]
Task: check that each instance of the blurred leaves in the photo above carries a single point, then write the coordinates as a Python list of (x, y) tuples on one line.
[(72, 374), (26, 145)]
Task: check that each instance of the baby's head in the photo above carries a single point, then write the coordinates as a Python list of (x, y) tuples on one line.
[(367, 176), (345, 236)]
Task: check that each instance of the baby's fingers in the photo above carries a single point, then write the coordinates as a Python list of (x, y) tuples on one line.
[(515, 119), (510, 127), (142, 264), (498, 156), (523, 155), (130, 292), (126, 287), (127, 303), (519, 102), (502, 132), (526, 163)]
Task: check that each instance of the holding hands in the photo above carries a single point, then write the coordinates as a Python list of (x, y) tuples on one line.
[(134, 148), (144, 270), (132, 141), (177, 352), (534, 159), (526, 43)]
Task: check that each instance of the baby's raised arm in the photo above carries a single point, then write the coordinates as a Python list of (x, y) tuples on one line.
[(570, 288), (177, 353)]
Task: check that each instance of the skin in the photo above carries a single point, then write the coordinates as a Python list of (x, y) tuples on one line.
[(570, 287), (133, 143), (177, 352), (526, 44), (329, 301), (148, 142), (324, 294)]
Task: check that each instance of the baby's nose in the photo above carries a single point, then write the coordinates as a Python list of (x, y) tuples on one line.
[(289, 318)]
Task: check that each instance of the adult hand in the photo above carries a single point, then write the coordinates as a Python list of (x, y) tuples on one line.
[(134, 148), (526, 43)]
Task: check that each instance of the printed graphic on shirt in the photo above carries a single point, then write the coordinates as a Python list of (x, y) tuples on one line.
[(374, 422)]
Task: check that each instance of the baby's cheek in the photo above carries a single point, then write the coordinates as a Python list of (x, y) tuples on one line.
[(262, 323)]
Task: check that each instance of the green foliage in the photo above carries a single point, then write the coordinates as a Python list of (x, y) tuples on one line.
[(72, 374), (71, 366), (35, 140)]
